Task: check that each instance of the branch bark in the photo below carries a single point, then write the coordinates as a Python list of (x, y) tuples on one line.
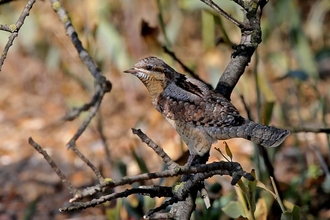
[(14, 28), (250, 39)]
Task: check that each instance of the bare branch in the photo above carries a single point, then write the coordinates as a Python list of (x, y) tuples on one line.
[(224, 168), (7, 28), (185, 68), (202, 172), (250, 39), (182, 192), (87, 120), (53, 165), (223, 13), (102, 86), (167, 160), (72, 34), (103, 138), (14, 29), (88, 163), (149, 191), (313, 130)]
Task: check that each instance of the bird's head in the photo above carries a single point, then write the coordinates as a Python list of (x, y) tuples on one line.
[(154, 73)]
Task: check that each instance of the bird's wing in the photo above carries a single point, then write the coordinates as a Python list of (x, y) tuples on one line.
[(193, 103)]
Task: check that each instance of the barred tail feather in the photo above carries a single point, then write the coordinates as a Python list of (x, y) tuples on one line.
[(266, 136)]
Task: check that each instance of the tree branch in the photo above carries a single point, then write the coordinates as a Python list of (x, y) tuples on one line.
[(313, 130), (54, 166), (202, 172), (161, 153), (102, 85), (223, 13), (72, 34), (14, 28), (152, 192), (250, 38)]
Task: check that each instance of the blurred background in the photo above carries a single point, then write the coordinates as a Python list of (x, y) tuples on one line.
[(285, 85)]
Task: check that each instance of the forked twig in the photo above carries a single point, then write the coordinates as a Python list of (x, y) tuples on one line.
[(14, 28), (223, 13), (54, 166), (102, 85)]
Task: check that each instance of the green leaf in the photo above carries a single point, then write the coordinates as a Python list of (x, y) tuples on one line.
[(242, 186), (262, 186), (267, 112), (234, 209), (252, 188), (228, 151), (30, 211), (291, 215)]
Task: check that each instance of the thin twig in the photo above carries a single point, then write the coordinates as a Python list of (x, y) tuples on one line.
[(161, 153), (305, 129), (278, 199), (219, 150), (88, 163), (86, 122), (53, 165), (184, 67), (75, 112), (15, 28), (103, 138), (102, 86), (72, 143), (7, 28), (247, 108), (203, 172), (250, 39), (149, 191), (223, 13), (72, 34), (224, 168), (163, 206)]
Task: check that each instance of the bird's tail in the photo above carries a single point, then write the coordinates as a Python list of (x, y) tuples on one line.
[(266, 136)]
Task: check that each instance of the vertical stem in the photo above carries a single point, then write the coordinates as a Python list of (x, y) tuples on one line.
[(257, 153), (255, 72), (277, 195), (162, 24)]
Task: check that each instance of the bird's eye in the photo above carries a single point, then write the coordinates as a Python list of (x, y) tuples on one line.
[(149, 67)]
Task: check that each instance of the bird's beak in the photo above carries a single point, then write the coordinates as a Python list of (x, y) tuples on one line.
[(132, 71)]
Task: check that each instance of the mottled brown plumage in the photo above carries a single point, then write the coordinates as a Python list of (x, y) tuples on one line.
[(199, 114)]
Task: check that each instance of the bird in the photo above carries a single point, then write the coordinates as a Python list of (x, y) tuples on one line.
[(199, 114)]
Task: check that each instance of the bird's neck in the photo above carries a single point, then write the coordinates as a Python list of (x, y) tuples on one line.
[(155, 89)]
